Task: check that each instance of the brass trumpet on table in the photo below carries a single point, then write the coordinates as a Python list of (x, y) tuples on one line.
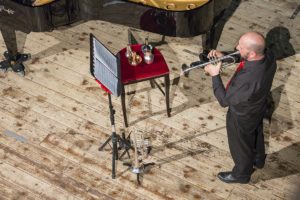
[(213, 60)]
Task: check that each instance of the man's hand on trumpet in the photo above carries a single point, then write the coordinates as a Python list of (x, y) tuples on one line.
[(213, 69), (215, 53)]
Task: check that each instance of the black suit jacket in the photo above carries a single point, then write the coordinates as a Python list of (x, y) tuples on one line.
[(247, 92)]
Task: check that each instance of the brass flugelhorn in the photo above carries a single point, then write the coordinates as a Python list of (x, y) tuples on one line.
[(213, 60), (140, 151)]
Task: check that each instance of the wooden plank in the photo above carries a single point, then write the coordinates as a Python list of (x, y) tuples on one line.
[(29, 116), (200, 162), (263, 22), (21, 128), (49, 175), (56, 165), (102, 164), (271, 6), (100, 183), (10, 141), (28, 182), (61, 148), (54, 113), (266, 179), (12, 191), (221, 161), (237, 193)]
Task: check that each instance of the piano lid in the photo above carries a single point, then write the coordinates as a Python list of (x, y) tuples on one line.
[(171, 5), (41, 2)]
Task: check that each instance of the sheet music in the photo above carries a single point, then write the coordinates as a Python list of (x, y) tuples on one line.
[(104, 75), (107, 68), (106, 57)]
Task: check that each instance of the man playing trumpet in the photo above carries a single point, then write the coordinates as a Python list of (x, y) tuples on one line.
[(246, 96)]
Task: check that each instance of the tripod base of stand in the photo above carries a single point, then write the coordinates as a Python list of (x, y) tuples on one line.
[(115, 139), (138, 169)]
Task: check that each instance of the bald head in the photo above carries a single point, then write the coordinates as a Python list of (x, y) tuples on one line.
[(254, 42)]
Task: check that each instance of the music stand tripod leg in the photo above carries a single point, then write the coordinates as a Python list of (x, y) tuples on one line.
[(122, 145), (126, 151), (105, 143), (114, 137), (114, 156)]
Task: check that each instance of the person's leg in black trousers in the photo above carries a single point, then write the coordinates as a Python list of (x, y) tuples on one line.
[(241, 148), (259, 147), (244, 138)]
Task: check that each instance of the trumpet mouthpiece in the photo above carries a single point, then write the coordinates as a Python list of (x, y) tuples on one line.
[(183, 70)]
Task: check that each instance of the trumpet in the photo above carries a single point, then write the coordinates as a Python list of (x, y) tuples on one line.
[(140, 147), (186, 70)]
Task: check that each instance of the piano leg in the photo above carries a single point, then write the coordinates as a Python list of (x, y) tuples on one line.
[(208, 40), (12, 56), (10, 39)]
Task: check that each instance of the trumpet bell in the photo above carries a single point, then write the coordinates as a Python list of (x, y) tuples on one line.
[(183, 68), (137, 169)]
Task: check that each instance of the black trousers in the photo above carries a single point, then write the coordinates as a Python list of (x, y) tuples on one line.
[(246, 143)]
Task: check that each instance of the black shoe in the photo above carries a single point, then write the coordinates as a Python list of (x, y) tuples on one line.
[(227, 177), (203, 59), (193, 64), (203, 56), (261, 165)]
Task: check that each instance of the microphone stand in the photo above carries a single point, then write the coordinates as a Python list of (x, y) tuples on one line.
[(115, 139)]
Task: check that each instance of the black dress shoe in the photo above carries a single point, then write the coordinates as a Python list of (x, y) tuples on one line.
[(258, 166), (193, 64), (203, 56), (261, 163), (227, 177), (203, 59)]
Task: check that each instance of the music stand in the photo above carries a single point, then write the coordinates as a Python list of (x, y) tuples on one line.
[(105, 67)]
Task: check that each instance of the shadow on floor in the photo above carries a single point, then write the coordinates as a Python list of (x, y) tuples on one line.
[(278, 41)]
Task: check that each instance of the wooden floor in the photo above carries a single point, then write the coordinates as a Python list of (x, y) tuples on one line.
[(64, 115)]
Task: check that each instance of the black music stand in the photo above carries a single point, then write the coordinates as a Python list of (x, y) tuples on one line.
[(105, 67)]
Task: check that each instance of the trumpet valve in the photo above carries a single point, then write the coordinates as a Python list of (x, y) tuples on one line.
[(213, 58)]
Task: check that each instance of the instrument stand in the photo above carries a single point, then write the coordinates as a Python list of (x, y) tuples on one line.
[(14, 63), (138, 170), (115, 139), (123, 145)]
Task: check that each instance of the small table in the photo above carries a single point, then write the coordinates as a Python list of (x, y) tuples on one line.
[(143, 72)]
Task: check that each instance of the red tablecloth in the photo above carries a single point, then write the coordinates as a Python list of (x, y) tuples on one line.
[(143, 70)]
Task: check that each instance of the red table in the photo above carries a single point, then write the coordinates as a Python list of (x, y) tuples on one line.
[(143, 72)]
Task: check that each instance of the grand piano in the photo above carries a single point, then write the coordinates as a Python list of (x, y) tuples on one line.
[(176, 18)]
